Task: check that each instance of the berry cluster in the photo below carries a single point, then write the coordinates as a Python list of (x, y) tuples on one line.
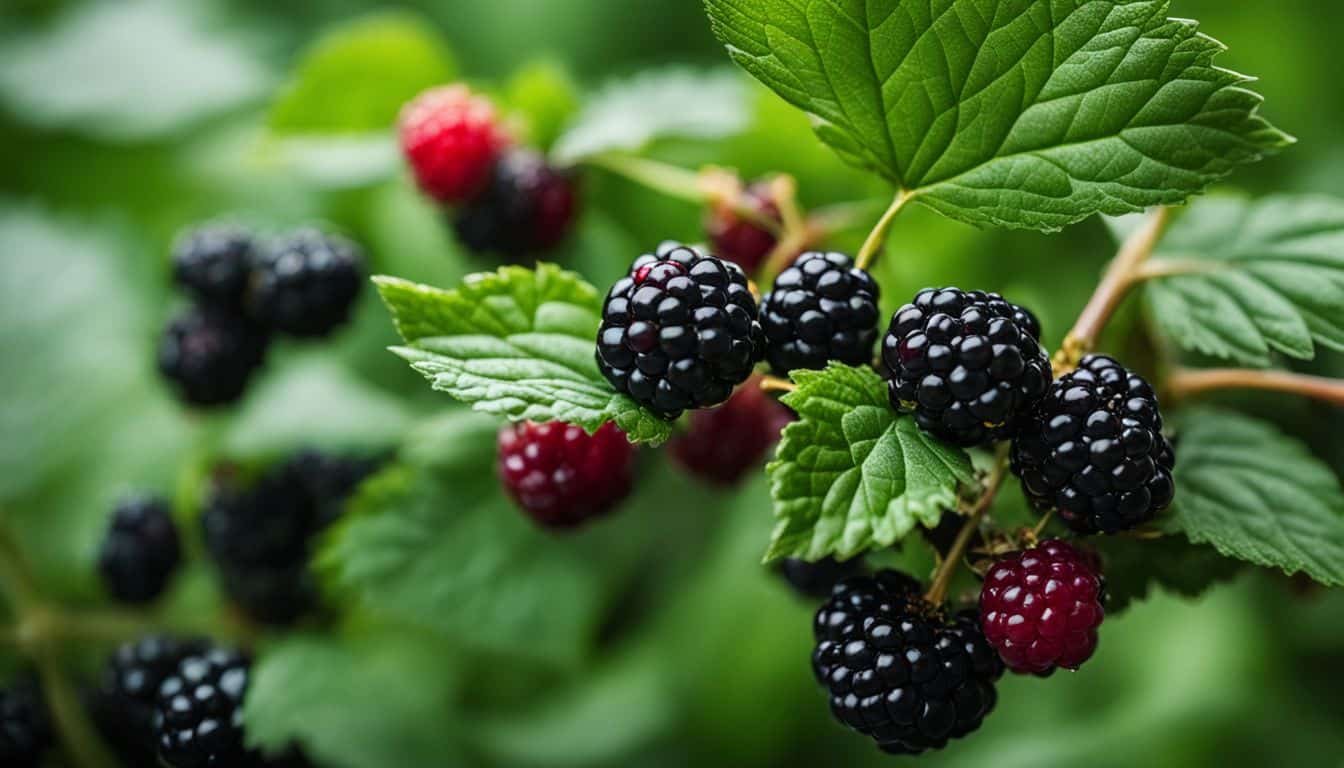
[(560, 475), (244, 289), (140, 551), (509, 200)]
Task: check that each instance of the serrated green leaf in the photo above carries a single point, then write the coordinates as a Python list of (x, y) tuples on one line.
[(851, 474), (1253, 278), (1022, 113), (516, 342), (676, 102), (1258, 495)]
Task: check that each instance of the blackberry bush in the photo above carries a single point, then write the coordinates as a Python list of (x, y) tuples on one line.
[(820, 309), (140, 551)]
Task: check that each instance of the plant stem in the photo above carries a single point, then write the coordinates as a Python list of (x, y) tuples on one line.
[(710, 185), (1122, 275), (776, 384), (1040, 524), (942, 579), (1184, 384), (877, 239)]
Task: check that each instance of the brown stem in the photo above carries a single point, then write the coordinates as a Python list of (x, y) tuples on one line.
[(942, 579), (1184, 384)]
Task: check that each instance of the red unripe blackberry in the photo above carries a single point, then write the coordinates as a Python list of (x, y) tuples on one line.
[(140, 551), (560, 475), (209, 355), (1093, 450), (821, 308), (738, 238), (451, 138), (724, 442), (527, 207), (1040, 608)]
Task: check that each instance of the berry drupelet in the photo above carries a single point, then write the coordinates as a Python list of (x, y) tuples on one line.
[(209, 355), (213, 263), (140, 551), (25, 729), (898, 669), (741, 239), (124, 701), (821, 308), (562, 476), (965, 364), (679, 331), (1093, 450), (451, 138), (527, 207), (1040, 608), (723, 443), (304, 283)]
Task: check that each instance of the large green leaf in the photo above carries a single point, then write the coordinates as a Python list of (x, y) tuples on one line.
[(1024, 113), (851, 474), (516, 342), (1251, 278), (1258, 495)]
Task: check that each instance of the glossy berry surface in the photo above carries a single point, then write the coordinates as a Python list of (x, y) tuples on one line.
[(723, 443), (1040, 608), (25, 728), (1093, 450), (818, 579), (962, 362), (527, 207), (124, 701), (560, 475), (900, 671), (210, 355), (198, 717), (451, 138), (213, 263), (305, 283), (140, 550), (679, 331), (742, 239), (821, 308)]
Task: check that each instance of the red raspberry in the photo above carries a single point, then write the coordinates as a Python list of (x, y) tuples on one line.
[(739, 239), (1040, 608), (723, 443), (452, 139), (562, 476)]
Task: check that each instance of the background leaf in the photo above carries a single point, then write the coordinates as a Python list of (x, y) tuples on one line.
[(1139, 569)]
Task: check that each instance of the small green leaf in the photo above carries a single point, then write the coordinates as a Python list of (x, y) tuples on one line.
[(851, 474), (676, 102), (1253, 278), (1021, 113), (517, 342), (1258, 495)]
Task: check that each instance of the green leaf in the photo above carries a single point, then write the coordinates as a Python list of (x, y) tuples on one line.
[(355, 78), (1253, 278), (1258, 495), (517, 342), (1135, 569), (1022, 113), (851, 474), (675, 102)]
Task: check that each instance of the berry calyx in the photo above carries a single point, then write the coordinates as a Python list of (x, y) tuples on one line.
[(124, 701), (198, 717), (527, 207), (451, 138), (1040, 608), (213, 263), (738, 238), (25, 728), (560, 475), (679, 331), (1093, 450), (723, 443), (305, 283), (821, 308), (140, 551), (966, 362), (209, 355)]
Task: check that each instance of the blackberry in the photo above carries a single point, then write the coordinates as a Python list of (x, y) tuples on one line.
[(305, 283), (963, 363), (818, 579), (1040, 608), (1093, 450), (451, 138), (213, 263), (738, 238), (679, 331), (25, 728), (899, 670), (821, 308), (562, 476), (198, 715), (209, 355), (723, 443), (140, 551), (124, 701), (528, 206), (328, 480)]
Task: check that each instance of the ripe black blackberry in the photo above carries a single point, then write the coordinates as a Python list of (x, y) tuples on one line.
[(198, 716), (328, 480), (140, 551), (900, 671), (818, 579), (25, 729), (528, 206), (305, 283), (821, 308), (966, 362), (213, 263), (1093, 450), (209, 355), (124, 701), (679, 331)]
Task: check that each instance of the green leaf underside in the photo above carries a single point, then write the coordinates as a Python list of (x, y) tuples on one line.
[(851, 474), (1021, 113), (517, 343), (1265, 276), (1258, 495)]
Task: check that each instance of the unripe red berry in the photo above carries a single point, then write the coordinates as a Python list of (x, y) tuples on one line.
[(725, 442), (740, 239), (560, 475), (451, 138)]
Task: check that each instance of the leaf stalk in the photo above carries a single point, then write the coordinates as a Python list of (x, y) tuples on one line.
[(877, 238)]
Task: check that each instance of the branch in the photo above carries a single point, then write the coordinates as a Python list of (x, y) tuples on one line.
[(877, 239), (1190, 383), (942, 579)]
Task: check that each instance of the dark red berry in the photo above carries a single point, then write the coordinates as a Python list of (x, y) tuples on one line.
[(527, 207), (562, 476), (741, 239), (452, 139), (1040, 608), (723, 443)]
